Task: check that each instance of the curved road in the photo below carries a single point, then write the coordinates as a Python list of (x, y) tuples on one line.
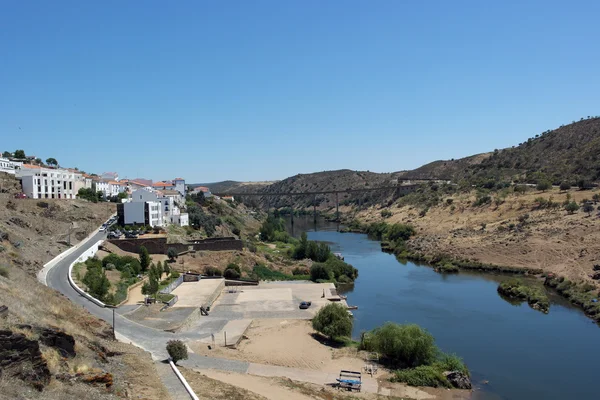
[(149, 339)]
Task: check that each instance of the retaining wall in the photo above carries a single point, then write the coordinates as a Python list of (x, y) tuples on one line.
[(172, 286), (84, 256), (160, 245), (214, 295)]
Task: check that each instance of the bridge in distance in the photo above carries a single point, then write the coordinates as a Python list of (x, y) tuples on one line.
[(404, 189)]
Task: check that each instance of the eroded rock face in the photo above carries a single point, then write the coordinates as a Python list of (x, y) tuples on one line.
[(22, 358), (65, 344), (458, 379)]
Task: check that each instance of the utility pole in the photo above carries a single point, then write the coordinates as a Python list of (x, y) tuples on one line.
[(114, 336), (337, 207)]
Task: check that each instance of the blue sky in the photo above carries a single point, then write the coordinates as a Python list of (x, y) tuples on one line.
[(261, 90)]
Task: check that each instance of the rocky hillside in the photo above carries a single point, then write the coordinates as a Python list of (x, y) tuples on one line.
[(50, 348), (568, 153)]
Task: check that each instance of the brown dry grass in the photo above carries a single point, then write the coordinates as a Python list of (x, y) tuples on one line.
[(551, 239)]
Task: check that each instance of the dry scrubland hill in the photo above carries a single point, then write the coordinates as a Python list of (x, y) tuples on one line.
[(568, 153), (46, 341)]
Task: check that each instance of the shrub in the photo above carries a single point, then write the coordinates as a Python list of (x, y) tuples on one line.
[(4, 272), (172, 253), (175, 274), (319, 271), (212, 271), (565, 186), (333, 321), (234, 266), (571, 207), (403, 345), (231, 273), (386, 213), (301, 271), (543, 185), (424, 375), (177, 350), (451, 362)]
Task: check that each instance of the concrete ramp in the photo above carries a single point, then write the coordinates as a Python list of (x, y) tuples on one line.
[(201, 293)]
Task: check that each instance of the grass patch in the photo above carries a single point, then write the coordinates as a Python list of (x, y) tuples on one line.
[(447, 268), (580, 295), (424, 375), (535, 296)]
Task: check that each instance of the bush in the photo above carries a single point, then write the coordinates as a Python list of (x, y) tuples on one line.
[(571, 207), (565, 186), (301, 271), (386, 213), (231, 273), (333, 321), (543, 185), (177, 350), (235, 267), (451, 362), (319, 271), (175, 274), (212, 271), (4, 272), (402, 345), (172, 253), (424, 375)]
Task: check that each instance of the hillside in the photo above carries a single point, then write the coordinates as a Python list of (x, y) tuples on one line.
[(232, 186), (50, 348), (568, 153)]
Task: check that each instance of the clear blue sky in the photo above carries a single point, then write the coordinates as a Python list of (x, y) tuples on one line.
[(261, 90)]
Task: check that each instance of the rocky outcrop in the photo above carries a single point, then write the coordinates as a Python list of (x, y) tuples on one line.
[(458, 380), (104, 378), (64, 343), (22, 358)]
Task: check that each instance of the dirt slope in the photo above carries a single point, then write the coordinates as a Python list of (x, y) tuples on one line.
[(71, 354)]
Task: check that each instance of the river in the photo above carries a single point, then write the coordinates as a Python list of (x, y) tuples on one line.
[(523, 354)]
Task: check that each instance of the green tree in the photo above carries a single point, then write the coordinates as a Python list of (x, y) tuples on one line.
[(565, 186), (596, 198), (333, 321), (177, 350), (151, 287), (52, 162), (6, 154), (318, 272), (159, 269), (144, 258), (544, 185), (167, 268), (38, 161), (96, 281), (172, 253), (20, 154), (572, 207), (403, 345)]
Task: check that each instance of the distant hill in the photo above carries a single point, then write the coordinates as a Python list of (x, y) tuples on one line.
[(569, 153), (233, 186)]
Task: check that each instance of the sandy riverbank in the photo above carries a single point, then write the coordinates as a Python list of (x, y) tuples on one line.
[(294, 344)]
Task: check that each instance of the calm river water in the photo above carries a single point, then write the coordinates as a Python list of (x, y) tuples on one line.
[(523, 353)]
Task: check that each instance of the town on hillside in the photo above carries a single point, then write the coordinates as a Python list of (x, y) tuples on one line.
[(140, 201)]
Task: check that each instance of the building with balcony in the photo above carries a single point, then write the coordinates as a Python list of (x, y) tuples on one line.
[(48, 183)]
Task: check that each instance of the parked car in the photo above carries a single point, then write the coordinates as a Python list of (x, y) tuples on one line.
[(130, 235), (20, 196), (102, 228), (305, 304)]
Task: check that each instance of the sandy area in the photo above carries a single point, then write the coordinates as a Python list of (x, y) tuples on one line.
[(287, 343)]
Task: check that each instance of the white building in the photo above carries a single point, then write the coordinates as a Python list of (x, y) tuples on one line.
[(8, 166), (109, 188), (179, 185), (48, 183), (151, 208)]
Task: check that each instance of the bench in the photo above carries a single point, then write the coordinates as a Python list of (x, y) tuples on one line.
[(350, 380)]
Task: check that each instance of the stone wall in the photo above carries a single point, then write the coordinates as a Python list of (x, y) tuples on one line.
[(160, 245)]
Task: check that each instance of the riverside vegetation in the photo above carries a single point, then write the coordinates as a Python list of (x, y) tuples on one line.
[(326, 267), (408, 349), (517, 289)]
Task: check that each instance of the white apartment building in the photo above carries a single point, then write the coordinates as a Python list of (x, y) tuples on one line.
[(151, 208), (10, 167), (109, 188), (48, 183)]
